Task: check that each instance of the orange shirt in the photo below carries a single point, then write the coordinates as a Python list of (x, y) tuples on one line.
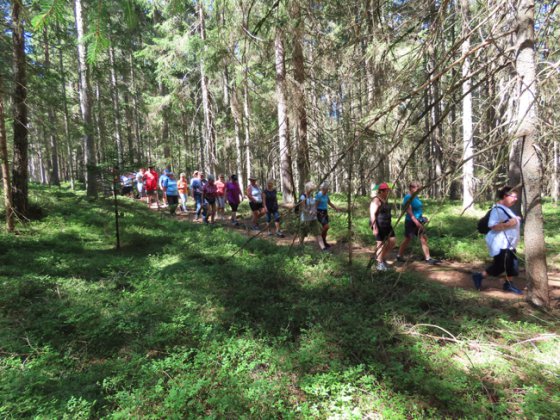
[(182, 186)]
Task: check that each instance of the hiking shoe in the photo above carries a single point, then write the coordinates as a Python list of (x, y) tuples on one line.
[(477, 280), (432, 261), (509, 287), (382, 266), (400, 259), (280, 234)]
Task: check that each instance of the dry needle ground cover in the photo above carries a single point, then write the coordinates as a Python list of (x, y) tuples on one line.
[(182, 323)]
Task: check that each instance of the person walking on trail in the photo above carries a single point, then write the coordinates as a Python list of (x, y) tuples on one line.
[(255, 196), (183, 187), (162, 179), (233, 197), (501, 241), (151, 183), (323, 203), (308, 217), (196, 188), (140, 183), (271, 205), (209, 194), (380, 222), (414, 224), (171, 191), (220, 197)]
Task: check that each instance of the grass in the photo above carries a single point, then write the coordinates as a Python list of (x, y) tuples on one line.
[(173, 326)]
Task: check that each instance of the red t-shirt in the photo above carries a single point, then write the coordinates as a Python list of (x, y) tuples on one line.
[(151, 178)]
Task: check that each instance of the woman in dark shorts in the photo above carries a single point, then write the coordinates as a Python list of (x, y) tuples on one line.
[(502, 240), (255, 196), (380, 222), (233, 197), (323, 203)]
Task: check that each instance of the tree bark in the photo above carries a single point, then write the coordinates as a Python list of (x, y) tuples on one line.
[(468, 156), (531, 173), (116, 108), (55, 171), (209, 133), (283, 139), (236, 114), (299, 97), (20, 171), (85, 105), (8, 204)]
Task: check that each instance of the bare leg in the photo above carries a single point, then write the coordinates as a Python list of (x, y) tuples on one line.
[(404, 245)]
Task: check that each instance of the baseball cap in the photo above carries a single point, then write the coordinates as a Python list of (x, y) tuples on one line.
[(384, 186)]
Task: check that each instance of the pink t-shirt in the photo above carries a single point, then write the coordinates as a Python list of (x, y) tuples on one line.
[(220, 188), (209, 190)]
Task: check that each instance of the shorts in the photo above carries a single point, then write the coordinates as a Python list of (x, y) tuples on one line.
[(151, 192), (234, 206), (313, 227), (411, 230), (221, 202), (126, 190), (271, 214), (384, 233), (255, 206), (323, 217), (210, 200), (172, 199), (506, 261)]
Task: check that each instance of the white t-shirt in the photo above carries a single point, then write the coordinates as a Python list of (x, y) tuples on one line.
[(309, 209), (503, 239)]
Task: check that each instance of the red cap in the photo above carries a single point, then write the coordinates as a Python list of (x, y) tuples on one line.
[(383, 186)]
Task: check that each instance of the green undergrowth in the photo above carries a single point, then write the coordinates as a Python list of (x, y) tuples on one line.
[(190, 321)]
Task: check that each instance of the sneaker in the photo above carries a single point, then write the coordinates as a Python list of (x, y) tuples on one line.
[(326, 250), (255, 228), (327, 245), (270, 234), (432, 261), (509, 287), (400, 259), (477, 280), (236, 223), (382, 267), (280, 234)]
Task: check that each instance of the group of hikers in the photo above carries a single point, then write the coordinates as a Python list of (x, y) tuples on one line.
[(211, 195)]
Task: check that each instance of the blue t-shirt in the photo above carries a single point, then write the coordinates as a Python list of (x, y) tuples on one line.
[(171, 185), (196, 186), (415, 205), (323, 200), (162, 179)]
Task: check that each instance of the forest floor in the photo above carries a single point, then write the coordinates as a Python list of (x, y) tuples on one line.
[(449, 273)]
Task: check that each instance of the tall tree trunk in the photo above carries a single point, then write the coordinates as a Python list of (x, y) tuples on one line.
[(116, 108), (70, 157), (20, 172), (54, 176), (299, 97), (283, 139), (525, 63), (209, 133), (85, 105), (468, 165), (246, 124), (135, 112), (7, 188), (236, 114)]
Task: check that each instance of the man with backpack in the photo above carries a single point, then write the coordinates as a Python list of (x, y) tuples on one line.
[(501, 240)]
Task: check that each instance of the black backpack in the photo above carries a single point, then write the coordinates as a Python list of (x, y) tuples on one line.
[(482, 225)]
